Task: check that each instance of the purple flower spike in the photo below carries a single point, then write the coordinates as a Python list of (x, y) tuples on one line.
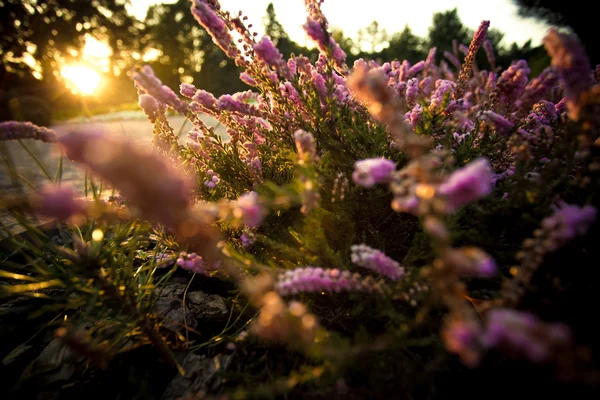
[(372, 171), (468, 184)]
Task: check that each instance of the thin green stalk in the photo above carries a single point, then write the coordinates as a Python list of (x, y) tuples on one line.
[(36, 159), (59, 169)]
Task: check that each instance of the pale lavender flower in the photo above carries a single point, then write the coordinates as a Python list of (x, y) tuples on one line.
[(415, 69), (538, 89), (248, 209), (489, 52), (317, 280), (512, 83), (247, 79), (266, 51), (567, 222), (412, 91), (195, 263), (453, 60), (205, 99), (59, 202), (430, 58), (471, 262), (376, 261), (187, 90), (523, 334), (159, 190), (502, 125), (305, 144), (215, 26), (468, 184), (467, 66), (372, 171), (150, 106), (414, 115), (14, 130), (442, 95), (573, 66)]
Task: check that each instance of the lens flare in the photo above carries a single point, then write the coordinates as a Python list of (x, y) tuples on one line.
[(81, 79)]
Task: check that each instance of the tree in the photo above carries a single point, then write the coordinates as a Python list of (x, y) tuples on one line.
[(279, 36), (187, 52), (572, 14), (46, 31), (446, 27), (404, 45), (372, 38)]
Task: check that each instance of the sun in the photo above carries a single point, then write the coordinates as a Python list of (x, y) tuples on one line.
[(81, 79)]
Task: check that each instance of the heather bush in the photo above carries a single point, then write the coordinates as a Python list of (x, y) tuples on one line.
[(371, 222)]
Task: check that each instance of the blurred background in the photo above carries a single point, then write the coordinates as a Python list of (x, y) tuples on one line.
[(60, 58)]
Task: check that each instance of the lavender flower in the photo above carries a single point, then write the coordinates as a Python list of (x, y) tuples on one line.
[(316, 280), (573, 66), (374, 260), (468, 184), (567, 222), (266, 51), (13, 130), (476, 43), (489, 52), (150, 106), (523, 334), (247, 79), (159, 191), (215, 26), (471, 262), (512, 83), (502, 125), (412, 91), (415, 69), (187, 90), (305, 144), (59, 202), (372, 171), (248, 209), (194, 263)]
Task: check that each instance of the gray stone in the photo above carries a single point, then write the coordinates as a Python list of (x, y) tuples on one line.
[(171, 309), (201, 374), (206, 306)]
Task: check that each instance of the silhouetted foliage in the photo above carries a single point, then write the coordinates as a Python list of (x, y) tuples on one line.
[(572, 14)]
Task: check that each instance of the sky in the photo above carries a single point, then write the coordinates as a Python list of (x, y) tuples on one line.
[(392, 15)]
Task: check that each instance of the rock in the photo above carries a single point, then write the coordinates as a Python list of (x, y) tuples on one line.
[(174, 288), (56, 363), (201, 374), (206, 306), (172, 310)]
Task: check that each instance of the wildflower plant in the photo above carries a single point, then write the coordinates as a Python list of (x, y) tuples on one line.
[(359, 210)]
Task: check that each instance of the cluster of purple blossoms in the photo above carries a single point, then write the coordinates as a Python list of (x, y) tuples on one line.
[(523, 334), (312, 280), (59, 202), (13, 130), (150, 106), (567, 222), (148, 83), (376, 261), (195, 263), (372, 171), (266, 51), (248, 210), (516, 333), (471, 262), (467, 184), (211, 179)]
